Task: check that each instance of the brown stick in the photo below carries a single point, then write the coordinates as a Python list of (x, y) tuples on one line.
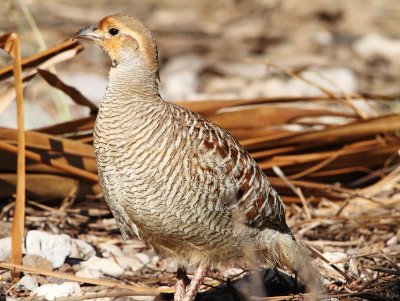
[(12, 46), (135, 290)]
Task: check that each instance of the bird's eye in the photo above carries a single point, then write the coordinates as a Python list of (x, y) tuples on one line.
[(113, 31)]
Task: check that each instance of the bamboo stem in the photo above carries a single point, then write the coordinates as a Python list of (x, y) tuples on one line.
[(13, 48), (135, 290)]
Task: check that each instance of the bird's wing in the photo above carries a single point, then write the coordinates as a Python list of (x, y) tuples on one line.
[(246, 193)]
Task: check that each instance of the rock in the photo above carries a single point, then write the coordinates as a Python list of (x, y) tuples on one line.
[(52, 291), (392, 241), (65, 268), (5, 229), (5, 249), (6, 276), (106, 266), (132, 247), (321, 36), (42, 280), (29, 283), (89, 273), (81, 249), (155, 260), (337, 258), (54, 248), (109, 250), (36, 261), (144, 258), (374, 44), (129, 263)]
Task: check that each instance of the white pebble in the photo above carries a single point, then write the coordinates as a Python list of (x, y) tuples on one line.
[(144, 258), (54, 248), (107, 266), (52, 291), (27, 283), (81, 249)]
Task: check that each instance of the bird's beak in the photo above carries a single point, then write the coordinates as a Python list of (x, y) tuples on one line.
[(89, 33)]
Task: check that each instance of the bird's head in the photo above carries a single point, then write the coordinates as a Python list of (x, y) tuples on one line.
[(126, 40)]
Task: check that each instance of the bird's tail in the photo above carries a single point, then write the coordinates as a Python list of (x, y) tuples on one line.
[(289, 253), (296, 257)]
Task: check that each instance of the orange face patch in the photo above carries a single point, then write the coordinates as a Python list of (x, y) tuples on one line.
[(133, 37), (112, 47), (105, 23)]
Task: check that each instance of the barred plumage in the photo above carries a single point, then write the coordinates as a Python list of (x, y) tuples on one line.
[(173, 178)]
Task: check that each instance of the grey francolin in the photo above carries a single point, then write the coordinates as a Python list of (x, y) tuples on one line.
[(174, 179)]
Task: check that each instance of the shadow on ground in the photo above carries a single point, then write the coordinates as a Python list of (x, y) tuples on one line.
[(264, 283)]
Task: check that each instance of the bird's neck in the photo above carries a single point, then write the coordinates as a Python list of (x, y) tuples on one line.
[(129, 83)]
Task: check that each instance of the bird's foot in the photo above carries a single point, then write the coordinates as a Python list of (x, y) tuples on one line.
[(183, 293), (195, 284), (181, 283)]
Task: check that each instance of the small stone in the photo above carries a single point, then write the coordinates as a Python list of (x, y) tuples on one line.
[(81, 249), (36, 261), (337, 258), (5, 249), (54, 248), (107, 266), (5, 229), (54, 280), (155, 260), (89, 273), (392, 241), (129, 263), (29, 283), (65, 268), (353, 267), (131, 249), (52, 291), (144, 258), (43, 280), (109, 250), (6, 276), (374, 44)]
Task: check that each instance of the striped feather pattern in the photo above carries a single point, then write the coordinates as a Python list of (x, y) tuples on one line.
[(176, 180), (179, 182)]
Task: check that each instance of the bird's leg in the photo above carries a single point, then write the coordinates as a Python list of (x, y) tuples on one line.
[(195, 284), (180, 287)]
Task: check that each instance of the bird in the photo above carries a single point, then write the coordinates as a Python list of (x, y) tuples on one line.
[(176, 180)]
